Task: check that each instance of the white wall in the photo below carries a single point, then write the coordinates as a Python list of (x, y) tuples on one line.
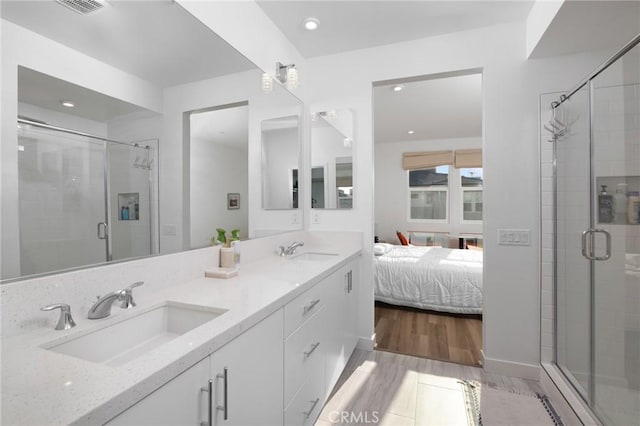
[(216, 170), (26, 48), (511, 86), (391, 189)]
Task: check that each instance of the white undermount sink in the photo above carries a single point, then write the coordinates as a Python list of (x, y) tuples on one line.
[(133, 336), (314, 257)]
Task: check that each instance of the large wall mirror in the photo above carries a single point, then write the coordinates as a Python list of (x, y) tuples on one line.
[(332, 160), (133, 168)]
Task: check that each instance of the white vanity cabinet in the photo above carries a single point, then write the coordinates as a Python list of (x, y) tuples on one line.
[(249, 394), (342, 314), (251, 370), (179, 402), (316, 352)]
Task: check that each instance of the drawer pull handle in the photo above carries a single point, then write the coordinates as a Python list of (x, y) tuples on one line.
[(208, 390), (313, 406), (224, 407), (308, 353), (310, 306)]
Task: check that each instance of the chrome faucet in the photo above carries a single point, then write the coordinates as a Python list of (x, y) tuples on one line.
[(291, 249), (65, 321), (102, 307)]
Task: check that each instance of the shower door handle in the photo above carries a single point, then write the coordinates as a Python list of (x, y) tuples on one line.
[(589, 253), (607, 236), (104, 226)]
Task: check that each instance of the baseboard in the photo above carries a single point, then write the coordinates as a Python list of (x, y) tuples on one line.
[(569, 406), (367, 344), (511, 369)]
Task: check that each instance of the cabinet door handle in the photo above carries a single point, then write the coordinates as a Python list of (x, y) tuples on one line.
[(313, 406), (224, 407), (350, 281), (308, 353), (209, 391), (310, 306)]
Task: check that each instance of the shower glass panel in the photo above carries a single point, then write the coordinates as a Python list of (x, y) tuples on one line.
[(61, 200), (573, 281), (615, 95), (130, 199)]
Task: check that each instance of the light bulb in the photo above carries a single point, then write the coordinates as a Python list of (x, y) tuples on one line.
[(267, 83), (292, 78)]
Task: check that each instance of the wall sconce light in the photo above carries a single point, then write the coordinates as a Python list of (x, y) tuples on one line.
[(267, 83), (287, 74)]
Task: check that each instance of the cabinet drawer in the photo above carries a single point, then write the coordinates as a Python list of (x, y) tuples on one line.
[(304, 354), (307, 403), (303, 307)]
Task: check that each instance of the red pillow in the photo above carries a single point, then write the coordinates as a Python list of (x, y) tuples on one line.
[(402, 238)]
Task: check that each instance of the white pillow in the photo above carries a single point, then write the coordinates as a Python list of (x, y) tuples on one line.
[(381, 248)]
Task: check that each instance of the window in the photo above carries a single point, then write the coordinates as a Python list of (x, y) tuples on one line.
[(429, 194), (471, 183)]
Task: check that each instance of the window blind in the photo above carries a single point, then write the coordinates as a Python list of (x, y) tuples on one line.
[(468, 158), (426, 160)]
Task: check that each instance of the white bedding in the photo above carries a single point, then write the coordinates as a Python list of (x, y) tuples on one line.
[(440, 279)]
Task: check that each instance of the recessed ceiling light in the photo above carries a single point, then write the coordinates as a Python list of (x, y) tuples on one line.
[(311, 24), (397, 88), (67, 104), (411, 132)]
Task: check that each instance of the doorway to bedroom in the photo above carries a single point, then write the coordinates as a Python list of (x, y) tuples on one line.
[(429, 215)]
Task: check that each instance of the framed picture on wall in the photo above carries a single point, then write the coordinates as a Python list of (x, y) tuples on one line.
[(233, 201)]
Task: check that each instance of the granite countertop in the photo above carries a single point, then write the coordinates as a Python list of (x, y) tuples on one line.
[(43, 387)]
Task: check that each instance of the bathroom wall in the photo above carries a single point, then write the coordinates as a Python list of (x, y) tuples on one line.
[(281, 157), (391, 188), (220, 169)]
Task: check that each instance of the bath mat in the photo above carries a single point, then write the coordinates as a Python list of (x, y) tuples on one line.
[(490, 406)]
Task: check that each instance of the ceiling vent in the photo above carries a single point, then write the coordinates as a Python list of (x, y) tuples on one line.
[(82, 6)]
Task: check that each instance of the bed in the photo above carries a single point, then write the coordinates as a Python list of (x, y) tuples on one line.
[(434, 278)]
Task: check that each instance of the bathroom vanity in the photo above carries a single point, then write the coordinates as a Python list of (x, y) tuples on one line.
[(264, 347)]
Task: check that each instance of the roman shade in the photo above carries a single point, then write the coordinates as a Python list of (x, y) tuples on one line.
[(468, 158), (426, 160)]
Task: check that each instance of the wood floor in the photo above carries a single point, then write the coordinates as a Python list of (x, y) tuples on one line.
[(428, 334), (390, 389)]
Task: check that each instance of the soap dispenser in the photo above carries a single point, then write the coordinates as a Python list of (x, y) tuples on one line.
[(605, 206), (620, 204)]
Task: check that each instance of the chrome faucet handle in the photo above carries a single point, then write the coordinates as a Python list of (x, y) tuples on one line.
[(127, 296), (65, 321), (283, 251)]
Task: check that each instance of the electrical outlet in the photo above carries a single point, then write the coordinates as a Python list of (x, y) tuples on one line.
[(294, 218), (315, 218), (514, 237), (169, 230)]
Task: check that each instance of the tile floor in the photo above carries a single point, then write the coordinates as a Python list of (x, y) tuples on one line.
[(385, 388)]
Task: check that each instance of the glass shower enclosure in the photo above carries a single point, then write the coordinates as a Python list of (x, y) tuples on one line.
[(83, 200), (596, 136)]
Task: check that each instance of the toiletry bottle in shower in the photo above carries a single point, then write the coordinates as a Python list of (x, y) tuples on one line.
[(122, 213), (620, 204), (605, 206), (633, 208), (125, 213)]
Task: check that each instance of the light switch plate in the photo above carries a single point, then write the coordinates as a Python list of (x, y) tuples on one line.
[(514, 237)]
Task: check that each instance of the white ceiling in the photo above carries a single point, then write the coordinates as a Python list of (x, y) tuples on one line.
[(583, 26), (155, 40), (47, 92), (350, 25), (442, 108), (228, 127)]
